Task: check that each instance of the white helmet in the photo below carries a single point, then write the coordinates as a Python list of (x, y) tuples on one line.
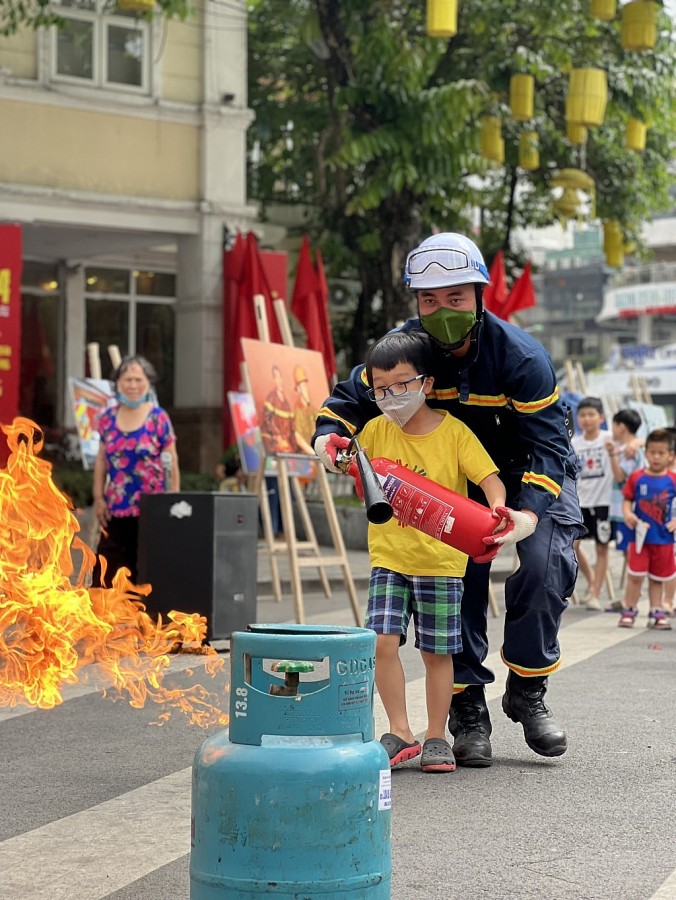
[(444, 260)]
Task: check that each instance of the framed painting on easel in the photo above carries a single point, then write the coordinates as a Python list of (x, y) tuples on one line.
[(288, 386)]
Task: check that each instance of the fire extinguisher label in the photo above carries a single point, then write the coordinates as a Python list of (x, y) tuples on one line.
[(415, 507)]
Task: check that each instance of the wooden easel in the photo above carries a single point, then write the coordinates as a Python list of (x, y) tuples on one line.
[(288, 484)]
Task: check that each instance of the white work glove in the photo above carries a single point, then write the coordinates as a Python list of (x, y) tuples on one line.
[(326, 447), (520, 526)]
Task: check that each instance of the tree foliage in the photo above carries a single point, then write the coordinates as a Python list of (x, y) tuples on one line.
[(374, 126)]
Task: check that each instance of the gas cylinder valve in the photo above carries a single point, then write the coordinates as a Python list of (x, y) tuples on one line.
[(292, 669)]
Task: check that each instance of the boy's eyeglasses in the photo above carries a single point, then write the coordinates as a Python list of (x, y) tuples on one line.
[(394, 390)]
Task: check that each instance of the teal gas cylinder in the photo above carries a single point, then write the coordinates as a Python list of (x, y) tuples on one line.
[(295, 801)]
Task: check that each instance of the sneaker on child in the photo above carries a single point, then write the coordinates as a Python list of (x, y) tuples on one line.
[(658, 620), (627, 618)]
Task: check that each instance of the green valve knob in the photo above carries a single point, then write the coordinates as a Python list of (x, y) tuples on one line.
[(292, 669), (292, 665)]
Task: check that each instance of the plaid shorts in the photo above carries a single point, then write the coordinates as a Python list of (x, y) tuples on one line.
[(434, 601)]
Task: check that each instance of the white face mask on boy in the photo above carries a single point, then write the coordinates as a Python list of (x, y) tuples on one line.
[(403, 407)]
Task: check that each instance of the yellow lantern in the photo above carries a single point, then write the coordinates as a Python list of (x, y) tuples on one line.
[(613, 243), (567, 204), (521, 92), (492, 144), (639, 25), (576, 134), (636, 134), (576, 180), (139, 6), (573, 178), (587, 96), (603, 9), (529, 155), (442, 18)]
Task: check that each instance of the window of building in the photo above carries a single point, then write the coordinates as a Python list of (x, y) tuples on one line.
[(575, 346), (135, 312), (101, 46)]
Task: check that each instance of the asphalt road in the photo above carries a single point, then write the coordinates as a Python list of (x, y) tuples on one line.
[(95, 801)]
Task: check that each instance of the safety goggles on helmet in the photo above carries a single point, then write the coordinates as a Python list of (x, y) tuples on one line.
[(444, 261)]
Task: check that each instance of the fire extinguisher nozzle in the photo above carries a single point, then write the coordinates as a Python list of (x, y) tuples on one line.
[(378, 513)]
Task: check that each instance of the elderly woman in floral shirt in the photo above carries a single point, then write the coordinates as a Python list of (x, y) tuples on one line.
[(135, 434)]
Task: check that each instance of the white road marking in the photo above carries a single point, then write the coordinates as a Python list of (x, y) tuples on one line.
[(95, 852), (666, 891)]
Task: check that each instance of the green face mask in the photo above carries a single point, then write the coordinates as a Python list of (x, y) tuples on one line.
[(448, 326)]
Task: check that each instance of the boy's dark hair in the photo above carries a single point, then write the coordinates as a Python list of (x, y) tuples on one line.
[(629, 418), (660, 436), (591, 403), (412, 347)]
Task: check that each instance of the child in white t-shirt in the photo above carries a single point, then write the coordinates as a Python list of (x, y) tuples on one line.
[(594, 486)]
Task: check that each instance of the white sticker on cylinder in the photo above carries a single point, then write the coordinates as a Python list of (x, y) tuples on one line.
[(385, 789)]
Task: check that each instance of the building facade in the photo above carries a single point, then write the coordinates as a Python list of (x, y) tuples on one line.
[(123, 158)]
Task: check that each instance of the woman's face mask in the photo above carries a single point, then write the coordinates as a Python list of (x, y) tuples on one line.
[(449, 326), (132, 404), (403, 407)]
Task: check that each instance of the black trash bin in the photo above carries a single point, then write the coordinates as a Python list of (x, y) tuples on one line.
[(199, 552)]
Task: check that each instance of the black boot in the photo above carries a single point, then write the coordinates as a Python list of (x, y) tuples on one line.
[(523, 701), (470, 725)]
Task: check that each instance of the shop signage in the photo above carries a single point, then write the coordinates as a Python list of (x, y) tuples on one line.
[(638, 300)]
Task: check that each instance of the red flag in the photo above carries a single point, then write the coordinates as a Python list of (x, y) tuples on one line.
[(243, 276), (522, 295), (495, 293), (323, 295), (305, 303), (233, 262)]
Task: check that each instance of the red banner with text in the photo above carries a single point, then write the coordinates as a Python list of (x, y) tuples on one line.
[(10, 322)]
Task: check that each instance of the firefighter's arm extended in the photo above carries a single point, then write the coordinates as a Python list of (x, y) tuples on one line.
[(342, 415)]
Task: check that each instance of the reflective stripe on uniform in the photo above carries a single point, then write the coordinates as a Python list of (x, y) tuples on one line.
[(537, 480), (325, 411), (472, 400), (533, 406), (526, 673)]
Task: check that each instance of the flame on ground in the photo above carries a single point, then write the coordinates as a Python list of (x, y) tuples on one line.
[(53, 631)]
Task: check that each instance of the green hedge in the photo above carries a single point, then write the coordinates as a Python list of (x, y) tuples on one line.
[(76, 483)]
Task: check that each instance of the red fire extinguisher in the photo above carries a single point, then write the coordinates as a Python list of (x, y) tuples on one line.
[(390, 489)]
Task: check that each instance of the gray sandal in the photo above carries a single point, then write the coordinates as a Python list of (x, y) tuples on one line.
[(437, 756)]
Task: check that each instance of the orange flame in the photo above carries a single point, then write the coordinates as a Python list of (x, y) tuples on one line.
[(51, 630)]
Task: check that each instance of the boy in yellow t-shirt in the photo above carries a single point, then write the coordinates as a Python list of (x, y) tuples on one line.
[(412, 573)]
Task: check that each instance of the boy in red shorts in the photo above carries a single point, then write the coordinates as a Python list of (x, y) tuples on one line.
[(649, 495)]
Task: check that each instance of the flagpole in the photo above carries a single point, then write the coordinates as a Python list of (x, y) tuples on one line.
[(261, 318), (283, 321)]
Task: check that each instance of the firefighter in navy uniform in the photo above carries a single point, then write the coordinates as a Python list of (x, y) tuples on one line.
[(500, 382)]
